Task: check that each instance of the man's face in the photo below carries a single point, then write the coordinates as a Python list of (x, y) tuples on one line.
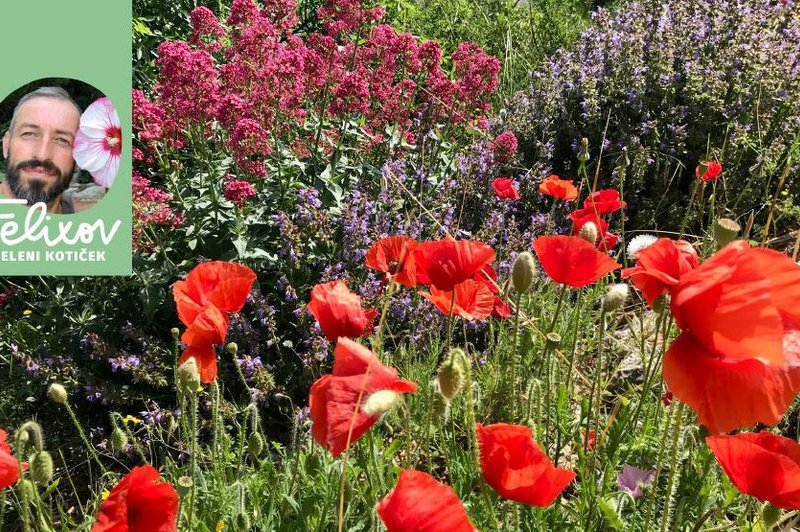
[(38, 152)]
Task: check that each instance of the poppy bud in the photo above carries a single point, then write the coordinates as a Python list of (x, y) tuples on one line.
[(452, 373), (119, 440), (57, 393), (523, 271), (588, 232), (583, 154), (41, 465), (175, 333), (31, 432), (380, 402), (26, 489), (232, 348), (661, 303), (255, 444), (188, 377), (615, 297), (725, 231)]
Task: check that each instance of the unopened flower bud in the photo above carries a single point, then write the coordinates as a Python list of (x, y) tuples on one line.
[(188, 377), (523, 271), (588, 232), (380, 402), (41, 467), (57, 393), (725, 231), (452, 373), (583, 153), (26, 489), (175, 333), (31, 432), (615, 297), (119, 440), (660, 304), (255, 444)]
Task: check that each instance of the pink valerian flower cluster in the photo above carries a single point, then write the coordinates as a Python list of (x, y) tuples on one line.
[(505, 146), (189, 87), (347, 16), (237, 191), (151, 208), (207, 32), (266, 80)]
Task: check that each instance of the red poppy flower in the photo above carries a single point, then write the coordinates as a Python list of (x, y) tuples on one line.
[(708, 171), (603, 201), (445, 263), (605, 240), (9, 469), (516, 468), (420, 503), (473, 300), (559, 188), (204, 298), (333, 398), (504, 188), (394, 256), (139, 502), (660, 266), (737, 359), (338, 311), (488, 276), (571, 260), (764, 465)]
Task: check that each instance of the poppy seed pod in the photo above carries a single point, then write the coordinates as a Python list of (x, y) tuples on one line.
[(615, 297), (232, 348), (552, 340), (41, 467), (588, 232), (523, 271), (725, 231), (175, 333), (452, 373), (184, 485), (57, 393), (119, 440), (188, 377)]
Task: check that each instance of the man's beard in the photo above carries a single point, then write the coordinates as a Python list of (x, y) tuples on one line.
[(36, 190)]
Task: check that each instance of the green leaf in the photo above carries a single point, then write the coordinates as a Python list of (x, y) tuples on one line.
[(610, 514)]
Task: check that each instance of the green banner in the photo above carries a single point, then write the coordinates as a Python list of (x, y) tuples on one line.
[(65, 209)]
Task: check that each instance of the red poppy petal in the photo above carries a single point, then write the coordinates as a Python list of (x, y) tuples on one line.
[(210, 327), (571, 260), (317, 404), (445, 263), (9, 470), (728, 395), (756, 470), (419, 503), (152, 505), (394, 255), (727, 304)]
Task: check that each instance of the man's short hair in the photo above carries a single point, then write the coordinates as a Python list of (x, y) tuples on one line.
[(42, 92)]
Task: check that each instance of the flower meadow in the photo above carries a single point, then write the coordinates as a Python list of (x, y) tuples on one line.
[(375, 289)]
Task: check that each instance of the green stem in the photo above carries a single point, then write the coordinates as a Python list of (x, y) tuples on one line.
[(193, 463), (512, 379), (82, 434), (595, 405), (25, 510), (473, 437), (676, 436), (134, 441), (651, 499)]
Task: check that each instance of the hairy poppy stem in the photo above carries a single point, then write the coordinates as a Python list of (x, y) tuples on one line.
[(346, 456), (676, 436), (473, 437), (21, 492), (651, 499), (82, 434), (378, 347), (512, 378), (594, 402), (193, 462)]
